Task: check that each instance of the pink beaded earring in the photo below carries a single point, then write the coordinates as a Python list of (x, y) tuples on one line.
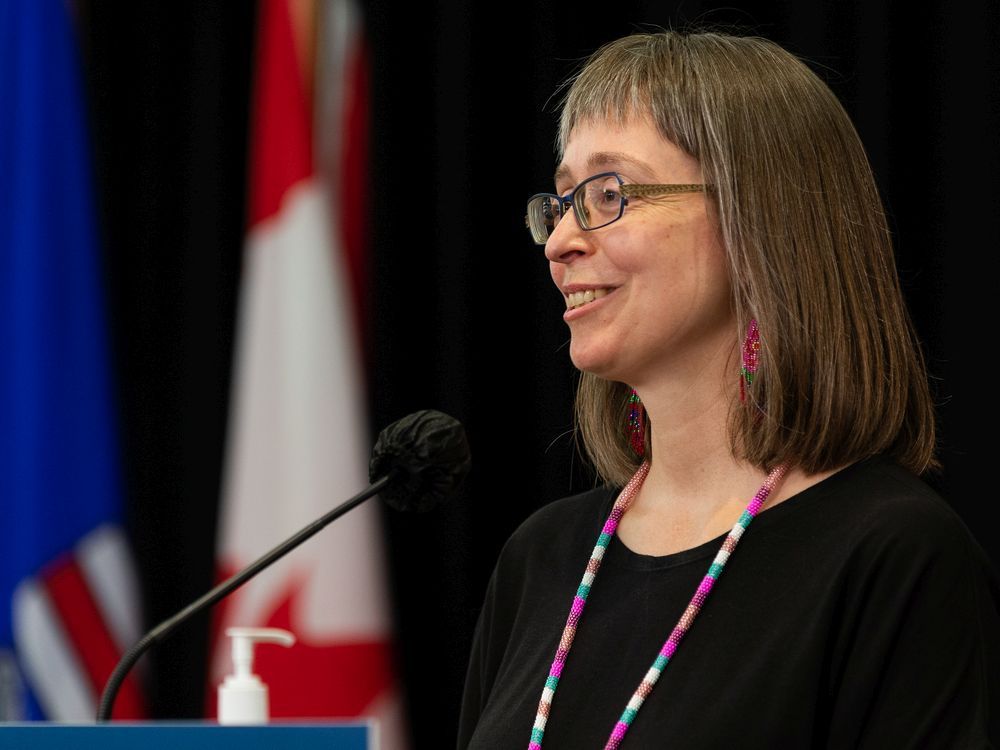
[(751, 357), (635, 424)]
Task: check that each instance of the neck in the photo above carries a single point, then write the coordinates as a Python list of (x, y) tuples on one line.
[(691, 461), (696, 488)]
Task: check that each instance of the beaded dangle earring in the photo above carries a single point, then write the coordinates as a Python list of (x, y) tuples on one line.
[(635, 424), (751, 357)]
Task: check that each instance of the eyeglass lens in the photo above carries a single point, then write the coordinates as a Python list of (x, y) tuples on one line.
[(596, 202)]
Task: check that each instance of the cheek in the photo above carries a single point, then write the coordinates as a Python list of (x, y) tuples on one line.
[(708, 261), (689, 276), (715, 285), (558, 272), (716, 265)]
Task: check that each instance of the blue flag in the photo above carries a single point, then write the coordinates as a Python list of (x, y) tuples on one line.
[(67, 593)]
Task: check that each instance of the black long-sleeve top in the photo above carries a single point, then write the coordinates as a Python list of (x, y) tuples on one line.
[(860, 613)]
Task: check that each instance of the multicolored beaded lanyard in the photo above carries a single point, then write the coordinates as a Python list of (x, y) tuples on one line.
[(683, 625)]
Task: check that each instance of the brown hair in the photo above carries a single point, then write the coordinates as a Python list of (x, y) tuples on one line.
[(841, 376)]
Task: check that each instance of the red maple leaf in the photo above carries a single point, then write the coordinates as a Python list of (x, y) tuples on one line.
[(319, 679)]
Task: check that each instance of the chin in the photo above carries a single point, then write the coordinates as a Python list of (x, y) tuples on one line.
[(602, 367)]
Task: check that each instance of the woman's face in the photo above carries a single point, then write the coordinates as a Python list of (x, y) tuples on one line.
[(666, 308)]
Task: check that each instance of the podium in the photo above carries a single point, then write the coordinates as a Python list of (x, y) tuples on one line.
[(170, 735)]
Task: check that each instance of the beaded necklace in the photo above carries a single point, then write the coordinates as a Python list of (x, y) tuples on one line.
[(680, 629)]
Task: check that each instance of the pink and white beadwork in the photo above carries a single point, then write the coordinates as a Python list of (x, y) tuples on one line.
[(672, 643)]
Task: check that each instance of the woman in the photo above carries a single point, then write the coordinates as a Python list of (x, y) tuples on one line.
[(746, 357)]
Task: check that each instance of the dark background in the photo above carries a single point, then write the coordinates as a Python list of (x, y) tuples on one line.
[(462, 314)]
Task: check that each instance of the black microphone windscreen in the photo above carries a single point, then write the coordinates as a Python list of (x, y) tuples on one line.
[(426, 454)]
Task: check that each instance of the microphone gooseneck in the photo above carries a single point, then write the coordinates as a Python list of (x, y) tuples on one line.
[(395, 471)]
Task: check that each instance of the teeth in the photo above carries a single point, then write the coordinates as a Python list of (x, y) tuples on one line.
[(577, 299)]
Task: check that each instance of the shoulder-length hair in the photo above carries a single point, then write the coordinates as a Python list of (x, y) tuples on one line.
[(840, 376)]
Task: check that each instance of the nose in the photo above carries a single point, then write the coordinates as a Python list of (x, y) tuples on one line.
[(567, 240)]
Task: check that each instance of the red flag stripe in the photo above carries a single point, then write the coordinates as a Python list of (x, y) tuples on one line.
[(89, 634), (281, 153)]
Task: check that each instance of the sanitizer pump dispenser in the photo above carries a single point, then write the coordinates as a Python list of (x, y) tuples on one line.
[(242, 695)]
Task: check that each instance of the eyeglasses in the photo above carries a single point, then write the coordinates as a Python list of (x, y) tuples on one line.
[(596, 202)]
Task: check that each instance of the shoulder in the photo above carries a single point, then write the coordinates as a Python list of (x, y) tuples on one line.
[(876, 524), (904, 571), (576, 510), (884, 508), (901, 556), (884, 486), (560, 528)]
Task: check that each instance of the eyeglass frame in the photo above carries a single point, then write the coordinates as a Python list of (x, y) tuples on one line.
[(627, 190)]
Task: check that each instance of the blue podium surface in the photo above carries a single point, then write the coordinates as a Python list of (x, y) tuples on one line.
[(161, 735)]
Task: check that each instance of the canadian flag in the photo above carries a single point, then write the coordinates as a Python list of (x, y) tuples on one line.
[(298, 443)]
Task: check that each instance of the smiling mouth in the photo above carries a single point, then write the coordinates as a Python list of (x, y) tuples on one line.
[(579, 299)]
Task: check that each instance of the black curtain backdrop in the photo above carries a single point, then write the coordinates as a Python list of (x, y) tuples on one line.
[(464, 316)]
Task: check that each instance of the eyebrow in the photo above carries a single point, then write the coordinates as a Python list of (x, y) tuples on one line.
[(607, 159)]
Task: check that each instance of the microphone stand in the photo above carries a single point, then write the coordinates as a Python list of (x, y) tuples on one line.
[(166, 627)]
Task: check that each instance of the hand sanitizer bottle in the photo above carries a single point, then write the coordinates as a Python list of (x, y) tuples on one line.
[(242, 695)]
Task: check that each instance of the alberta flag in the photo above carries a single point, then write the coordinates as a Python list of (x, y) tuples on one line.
[(67, 595)]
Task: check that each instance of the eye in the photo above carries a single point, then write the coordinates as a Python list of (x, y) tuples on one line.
[(608, 192), (602, 199)]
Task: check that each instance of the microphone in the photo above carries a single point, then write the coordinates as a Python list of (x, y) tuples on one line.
[(418, 463), (427, 456)]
